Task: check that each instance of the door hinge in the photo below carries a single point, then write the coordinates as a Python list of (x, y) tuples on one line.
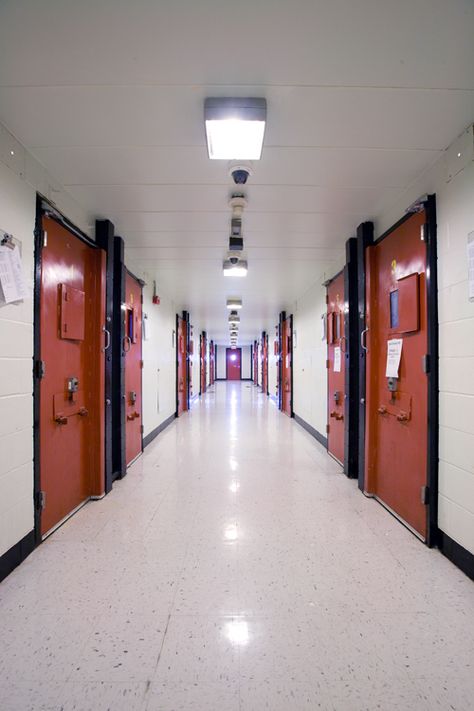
[(425, 363), (40, 500), (142, 429), (141, 364), (327, 429), (425, 492), (327, 364), (40, 369)]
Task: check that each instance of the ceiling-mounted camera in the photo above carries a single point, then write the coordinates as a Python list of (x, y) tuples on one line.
[(240, 172)]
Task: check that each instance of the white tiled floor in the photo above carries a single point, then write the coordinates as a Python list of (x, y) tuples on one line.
[(235, 569)]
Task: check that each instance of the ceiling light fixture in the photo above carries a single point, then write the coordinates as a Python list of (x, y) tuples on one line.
[(234, 303), (235, 270), (235, 127)]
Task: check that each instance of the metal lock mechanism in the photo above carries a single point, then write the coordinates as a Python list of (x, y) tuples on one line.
[(72, 387), (392, 384), (337, 397), (132, 396)]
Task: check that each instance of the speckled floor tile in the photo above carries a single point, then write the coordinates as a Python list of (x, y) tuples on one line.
[(235, 568)]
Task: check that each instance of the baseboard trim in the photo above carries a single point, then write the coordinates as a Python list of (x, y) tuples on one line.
[(154, 433), (16, 554), (317, 435), (458, 555)]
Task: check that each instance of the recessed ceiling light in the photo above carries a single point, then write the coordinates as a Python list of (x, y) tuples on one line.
[(234, 303), (235, 270), (235, 127)]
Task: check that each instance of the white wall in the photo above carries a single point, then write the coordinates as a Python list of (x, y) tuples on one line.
[(246, 361), (221, 362), (309, 358), (272, 358), (195, 358), (455, 217), (159, 360), (20, 176)]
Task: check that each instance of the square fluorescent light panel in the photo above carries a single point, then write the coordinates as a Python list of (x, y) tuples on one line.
[(235, 127)]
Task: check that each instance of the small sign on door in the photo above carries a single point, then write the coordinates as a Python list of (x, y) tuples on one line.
[(337, 359), (394, 354)]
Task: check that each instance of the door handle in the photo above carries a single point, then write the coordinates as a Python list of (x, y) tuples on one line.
[(363, 339), (126, 340), (107, 339), (60, 420), (343, 338), (83, 412)]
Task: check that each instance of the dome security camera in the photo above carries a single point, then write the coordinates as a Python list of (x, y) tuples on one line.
[(240, 173)]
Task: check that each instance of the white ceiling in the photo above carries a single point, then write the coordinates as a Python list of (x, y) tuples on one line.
[(362, 95)]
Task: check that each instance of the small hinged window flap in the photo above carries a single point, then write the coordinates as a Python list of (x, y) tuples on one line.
[(424, 494)]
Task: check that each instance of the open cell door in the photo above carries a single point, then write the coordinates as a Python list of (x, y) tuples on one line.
[(182, 385), (286, 396), (336, 341), (132, 310), (70, 369), (397, 422)]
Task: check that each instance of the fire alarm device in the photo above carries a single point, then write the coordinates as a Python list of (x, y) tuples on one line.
[(156, 298)]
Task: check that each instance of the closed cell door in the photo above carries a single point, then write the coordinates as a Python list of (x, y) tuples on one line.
[(182, 366), (233, 363), (255, 363), (203, 362), (265, 363), (71, 372), (336, 367), (133, 368), (397, 382), (286, 365)]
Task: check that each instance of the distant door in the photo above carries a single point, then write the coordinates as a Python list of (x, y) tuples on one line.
[(71, 388), (397, 381), (203, 362), (286, 365), (336, 366), (182, 365), (133, 368), (265, 363), (212, 363), (234, 363), (255, 362)]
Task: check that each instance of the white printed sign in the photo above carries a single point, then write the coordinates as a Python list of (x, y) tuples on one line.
[(12, 279), (394, 354), (337, 359)]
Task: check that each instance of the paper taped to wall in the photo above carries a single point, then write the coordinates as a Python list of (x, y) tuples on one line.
[(394, 354), (12, 280)]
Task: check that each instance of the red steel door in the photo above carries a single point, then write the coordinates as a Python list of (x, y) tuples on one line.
[(255, 362), (71, 420), (286, 365), (203, 362), (233, 361), (336, 366), (182, 369), (212, 363), (265, 363), (397, 406), (133, 368)]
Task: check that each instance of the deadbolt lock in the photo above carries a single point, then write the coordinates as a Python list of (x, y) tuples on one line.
[(132, 397), (392, 384), (337, 397)]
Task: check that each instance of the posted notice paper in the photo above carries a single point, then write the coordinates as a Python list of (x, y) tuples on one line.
[(394, 354), (337, 359), (12, 279)]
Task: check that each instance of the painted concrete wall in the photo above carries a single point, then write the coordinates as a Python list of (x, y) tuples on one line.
[(455, 217), (246, 362), (20, 177)]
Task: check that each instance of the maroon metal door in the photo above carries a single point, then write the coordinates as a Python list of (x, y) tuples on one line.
[(182, 365), (397, 404), (336, 366), (233, 363), (286, 365), (71, 420), (133, 368)]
